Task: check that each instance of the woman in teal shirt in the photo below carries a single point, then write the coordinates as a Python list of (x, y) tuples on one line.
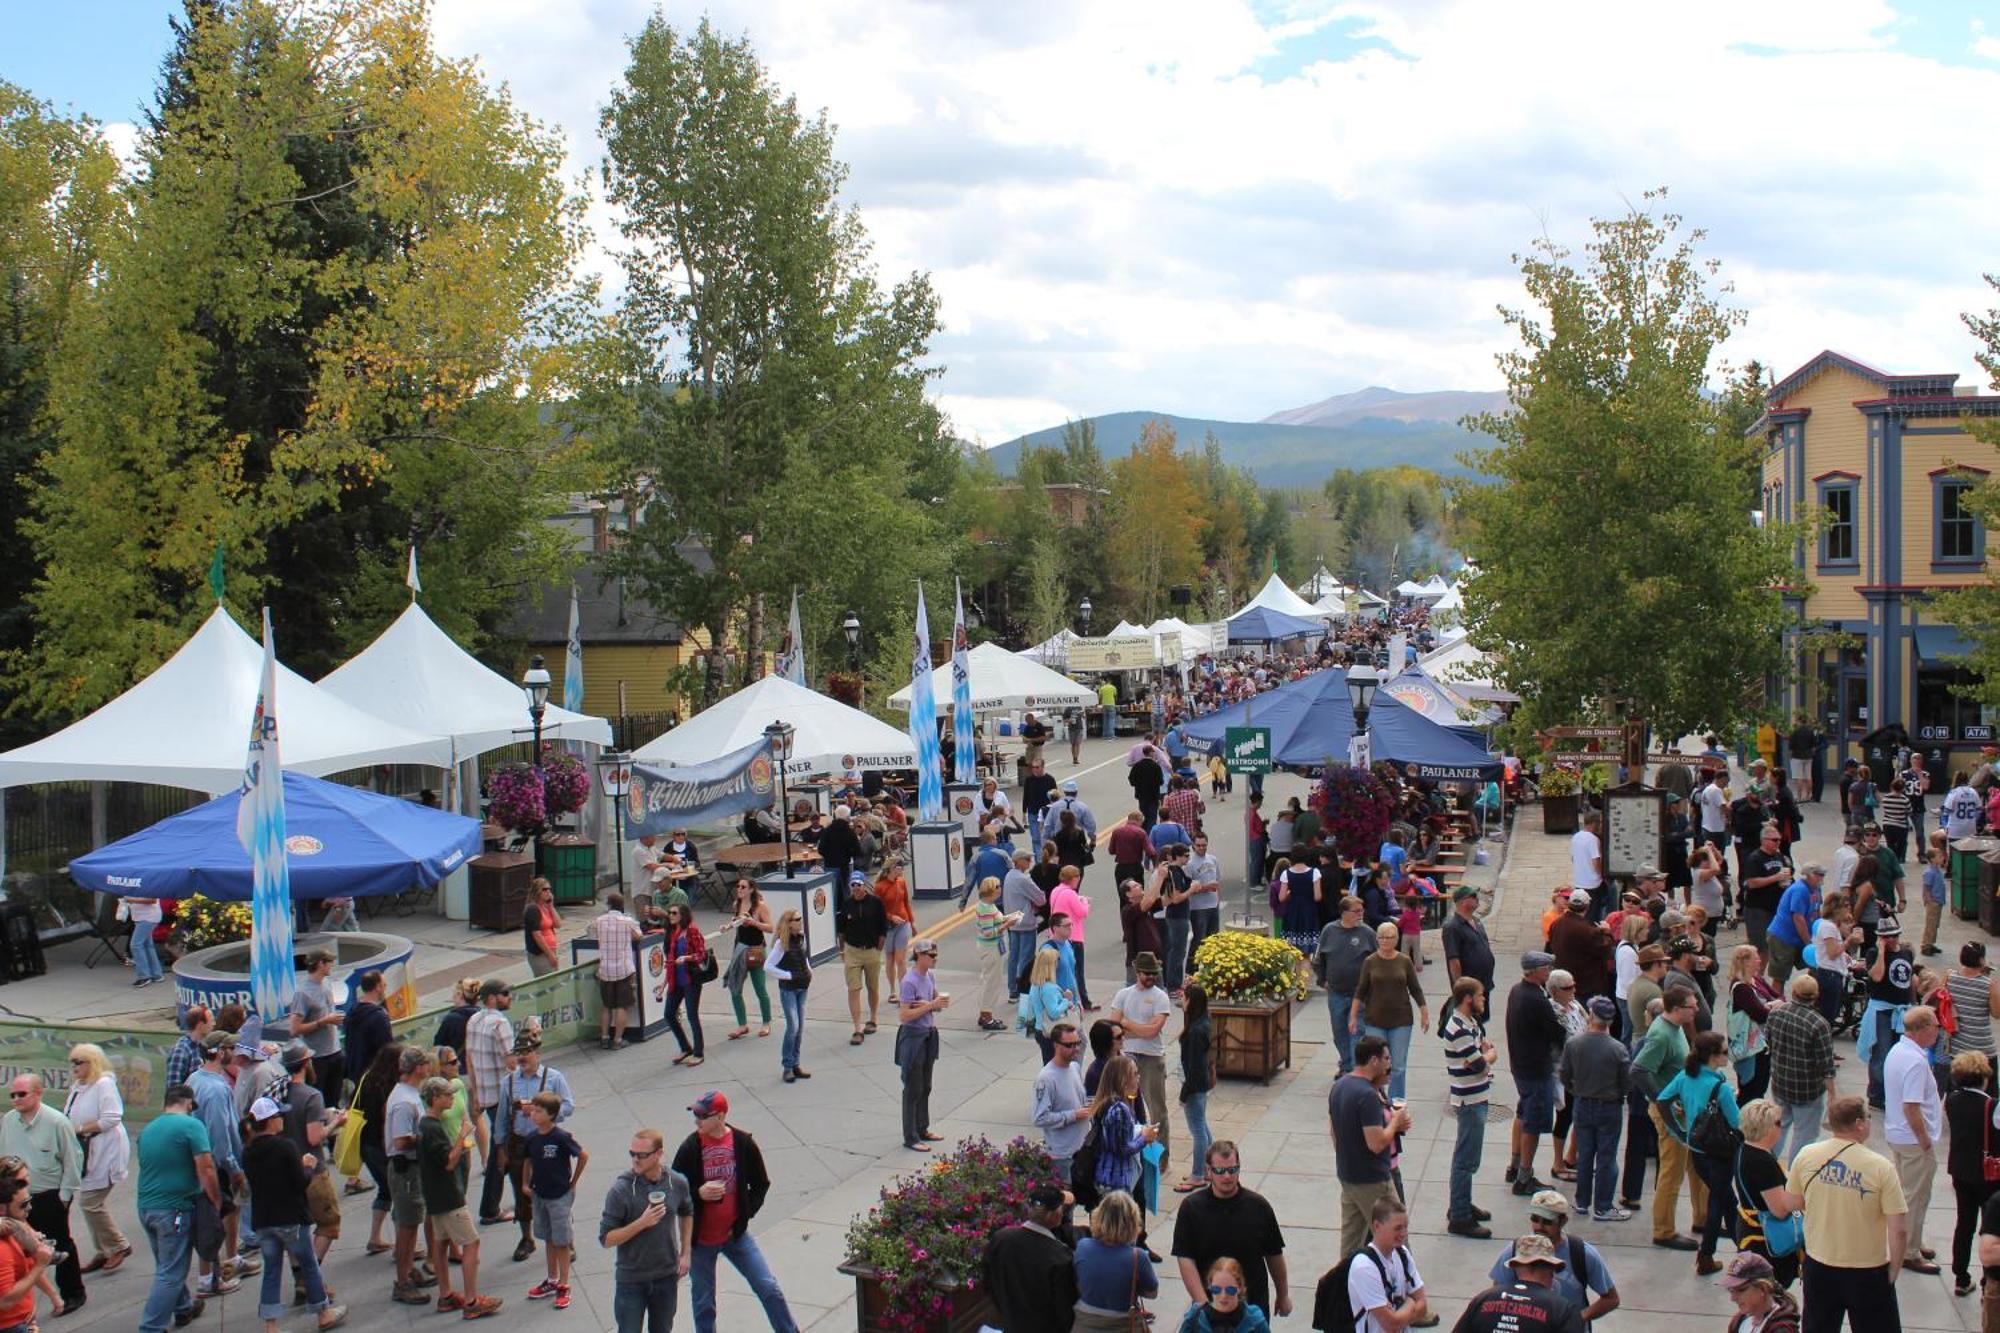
[(1694, 1087)]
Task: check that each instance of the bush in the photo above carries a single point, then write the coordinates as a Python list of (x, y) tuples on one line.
[(204, 923)]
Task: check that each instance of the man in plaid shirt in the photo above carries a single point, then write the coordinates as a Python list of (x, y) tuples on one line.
[(1183, 805), (1801, 1047), (617, 974), (185, 1057), (489, 1041)]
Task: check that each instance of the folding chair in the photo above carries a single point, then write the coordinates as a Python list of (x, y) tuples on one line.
[(107, 932)]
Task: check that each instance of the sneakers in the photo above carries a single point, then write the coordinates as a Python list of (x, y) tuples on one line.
[(562, 1298), (801, 1072), (992, 1025), (542, 1290), (247, 1265), (484, 1306), (790, 1077), (1526, 1184), (1480, 1214), (182, 1318), (411, 1295), (1614, 1215), (217, 1287), (1513, 1173)]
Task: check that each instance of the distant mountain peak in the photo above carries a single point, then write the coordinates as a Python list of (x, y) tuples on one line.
[(1445, 406)]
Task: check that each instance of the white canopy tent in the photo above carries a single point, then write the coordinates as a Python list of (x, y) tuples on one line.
[(1275, 595), (1446, 609), (1195, 639), (1435, 586), (1125, 629), (415, 676), (1464, 669), (187, 725), (1332, 603), (1052, 651), (830, 737), (1320, 584), (1004, 682), (1409, 588)]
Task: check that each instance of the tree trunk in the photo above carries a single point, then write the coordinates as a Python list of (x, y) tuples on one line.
[(718, 636), (753, 640)]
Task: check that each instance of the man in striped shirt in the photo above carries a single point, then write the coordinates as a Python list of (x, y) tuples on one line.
[(1468, 1060)]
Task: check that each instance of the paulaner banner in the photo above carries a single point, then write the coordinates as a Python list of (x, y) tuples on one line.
[(660, 800)]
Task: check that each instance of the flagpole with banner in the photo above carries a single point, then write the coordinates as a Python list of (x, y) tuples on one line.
[(573, 658), (410, 580), (260, 827), (965, 741), (923, 721), (791, 661)]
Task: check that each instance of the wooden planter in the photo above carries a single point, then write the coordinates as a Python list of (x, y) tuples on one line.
[(1252, 1040), (1560, 813), (966, 1309)]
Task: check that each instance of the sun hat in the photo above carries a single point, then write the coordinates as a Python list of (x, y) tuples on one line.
[(1550, 1206), (1534, 1249)]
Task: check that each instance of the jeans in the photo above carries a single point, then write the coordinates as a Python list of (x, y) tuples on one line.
[(1177, 945), (1399, 1055), (170, 1234), (1597, 1126), (686, 999), (1206, 921), (749, 1261), (634, 1303), (1465, 1157), (146, 954), (1798, 1125), (1255, 860), (793, 1003), (375, 1161), (276, 1243), (1756, 923), (916, 1052), (1337, 1005), (1882, 1022), (1020, 953), (1195, 1108), (1640, 1144), (1082, 985)]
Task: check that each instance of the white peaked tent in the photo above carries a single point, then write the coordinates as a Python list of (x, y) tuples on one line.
[(1320, 584), (1195, 639), (1409, 588), (1275, 595), (1054, 650), (830, 737), (415, 676), (1435, 586), (1004, 682), (188, 723), (1447, 606), (1332, 603), (1125, 629)]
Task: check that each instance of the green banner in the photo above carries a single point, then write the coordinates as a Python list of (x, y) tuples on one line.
[(1246, 749)]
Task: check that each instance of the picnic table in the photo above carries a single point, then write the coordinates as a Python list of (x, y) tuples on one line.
[(744, 855)]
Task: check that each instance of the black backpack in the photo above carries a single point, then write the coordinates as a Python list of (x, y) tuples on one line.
[(1083, 1166), (1331, 1312)]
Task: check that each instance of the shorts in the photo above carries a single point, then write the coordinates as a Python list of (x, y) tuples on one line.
[(619, 993), (861, 965), (1537, 1109), (898, 942), (406, 1192), (552, 1219), (456, 1226), (323, 1206)]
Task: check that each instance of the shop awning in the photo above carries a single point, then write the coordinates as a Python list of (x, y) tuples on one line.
[(1938, 642)]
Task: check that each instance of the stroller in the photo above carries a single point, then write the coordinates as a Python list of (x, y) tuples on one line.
[(1846, 1021)]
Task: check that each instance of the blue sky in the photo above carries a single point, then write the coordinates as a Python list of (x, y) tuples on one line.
[(1227, 207)]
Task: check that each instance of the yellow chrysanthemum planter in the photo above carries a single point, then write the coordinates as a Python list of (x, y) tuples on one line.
[(1252, 983)]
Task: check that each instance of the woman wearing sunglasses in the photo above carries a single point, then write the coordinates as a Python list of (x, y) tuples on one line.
[(1228, 1310)]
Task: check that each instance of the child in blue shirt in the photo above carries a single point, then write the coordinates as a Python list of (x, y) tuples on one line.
[(1935, 889)]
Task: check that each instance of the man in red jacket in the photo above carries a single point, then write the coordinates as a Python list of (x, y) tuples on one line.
[(725, 1173)]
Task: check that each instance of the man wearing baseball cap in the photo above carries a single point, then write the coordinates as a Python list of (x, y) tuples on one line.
[(1582, 1269), (724, 1170), (1892, 973), (917, 1006), (1792, 926), (1524, 1296), (1467, 951), (1535, 1036), (1582, 947), (1596, 1068), (1030, 1274), (863, 927)]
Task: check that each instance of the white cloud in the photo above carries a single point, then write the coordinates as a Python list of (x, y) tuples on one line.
[(1207, 207)]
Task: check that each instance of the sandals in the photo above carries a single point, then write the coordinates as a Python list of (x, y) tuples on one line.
[(764, 1031), (692, 1061), (918, 1147), (683, 1057), (374, 1247), (740, 1032), (358, 1186), (869, 1026), (1189, 1186), (854, 1040)]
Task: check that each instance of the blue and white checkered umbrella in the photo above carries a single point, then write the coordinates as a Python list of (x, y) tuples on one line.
[(923, 721), (965, 742), (260, 827)]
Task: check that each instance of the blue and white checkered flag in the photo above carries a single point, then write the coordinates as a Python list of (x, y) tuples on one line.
[(965, 742), (260, 827), (923, 721)]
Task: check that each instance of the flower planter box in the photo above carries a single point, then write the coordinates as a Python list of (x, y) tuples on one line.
[(965, 1310), (1252, 1040), (1560, 813)]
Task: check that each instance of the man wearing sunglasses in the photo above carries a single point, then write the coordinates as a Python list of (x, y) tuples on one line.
[(1226, 1219), (652, 1252), (42, 1137), (1061, 1107)]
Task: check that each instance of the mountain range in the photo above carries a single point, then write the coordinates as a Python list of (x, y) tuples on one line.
[(1302, 446)]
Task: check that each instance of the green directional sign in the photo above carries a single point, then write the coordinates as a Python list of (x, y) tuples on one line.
[(1247, 749)]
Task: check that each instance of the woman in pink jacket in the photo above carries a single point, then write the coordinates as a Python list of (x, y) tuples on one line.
[(1067, 899)]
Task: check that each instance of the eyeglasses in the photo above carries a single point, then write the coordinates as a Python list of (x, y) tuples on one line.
[(1069, 1045), (1215, 1290), (75, 1060), (17, 1095), (640, 1156), (1225, 1170)]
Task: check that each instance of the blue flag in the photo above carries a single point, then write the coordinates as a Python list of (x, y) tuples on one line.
[(923, 721), (573, 659), (260, 827), (965, 742)]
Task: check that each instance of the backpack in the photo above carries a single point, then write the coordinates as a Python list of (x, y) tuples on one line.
[(1083, 1166), (1331, 1311)]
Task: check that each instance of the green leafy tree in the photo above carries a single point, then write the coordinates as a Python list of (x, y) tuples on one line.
[(1975, 610), (1619, 573), (762, 395), (331, 328)]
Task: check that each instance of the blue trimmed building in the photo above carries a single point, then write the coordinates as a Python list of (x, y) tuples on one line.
[(1885, 462)]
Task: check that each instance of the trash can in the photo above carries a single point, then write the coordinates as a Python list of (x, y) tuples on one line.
[(499, 889), (1963, 871), (569, 862), (1989, 892)]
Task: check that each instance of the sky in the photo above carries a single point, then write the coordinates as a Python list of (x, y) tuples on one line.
[(1225, 208)]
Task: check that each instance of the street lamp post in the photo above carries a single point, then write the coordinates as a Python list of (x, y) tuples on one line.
[(536, 685), (1362, 683), (1083, 616), (851, 627), (780, 734)]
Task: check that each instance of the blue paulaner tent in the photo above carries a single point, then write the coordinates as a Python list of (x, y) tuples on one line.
[(1420, 747), (1261, 624), (1311, 721), (341, 842)]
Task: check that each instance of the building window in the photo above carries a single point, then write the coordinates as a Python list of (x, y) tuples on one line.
[(1943, 711), (1957, 535), (1837, 541)]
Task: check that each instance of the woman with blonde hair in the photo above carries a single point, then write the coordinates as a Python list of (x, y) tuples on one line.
[(990, 925), (98, 1113), (793, 969), (1762, 1197), (1228, 1305), (1112, 1271), (1045, 1003), (1751, 996)]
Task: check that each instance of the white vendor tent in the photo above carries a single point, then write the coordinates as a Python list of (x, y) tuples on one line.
[(415, 676), (1465, 670), (1277, 597), (830, 737), (1435, 586), (1409, 588), (1125, 629), (1052, 651), (1004, 682), (1320, 584), (187, 724), (1195, 639), (1332, 603)]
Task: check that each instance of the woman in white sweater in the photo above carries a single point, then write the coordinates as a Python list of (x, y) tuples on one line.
[(98, 1113)]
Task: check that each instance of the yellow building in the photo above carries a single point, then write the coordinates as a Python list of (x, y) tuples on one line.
[(1884, 462), (629, 649)]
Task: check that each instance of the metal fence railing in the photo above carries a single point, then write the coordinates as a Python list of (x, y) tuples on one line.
[(50, 824)]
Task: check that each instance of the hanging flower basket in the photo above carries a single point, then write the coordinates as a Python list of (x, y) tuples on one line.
[(525, 799), (1354, 806)]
